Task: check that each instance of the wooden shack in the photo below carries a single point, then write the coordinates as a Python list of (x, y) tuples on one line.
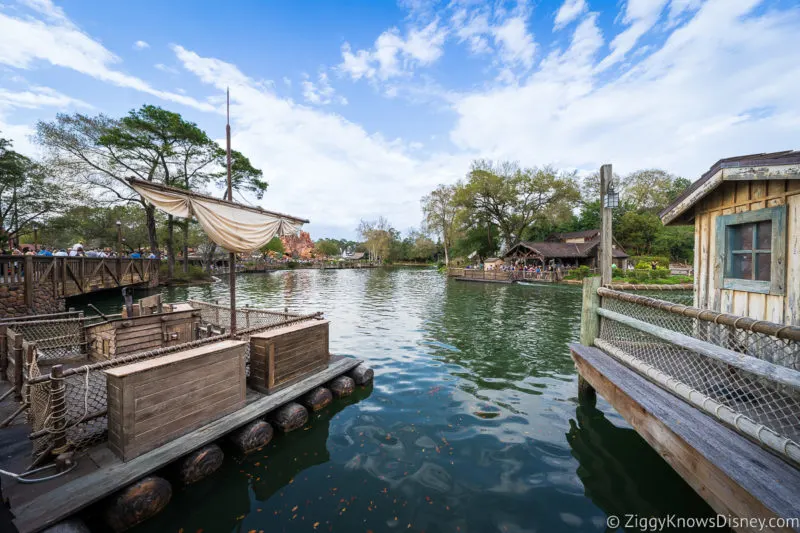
[(154, 401), (285, 355), (125, 336), (746, 214)]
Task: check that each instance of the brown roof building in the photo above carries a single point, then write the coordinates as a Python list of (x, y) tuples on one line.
[(568, 249)]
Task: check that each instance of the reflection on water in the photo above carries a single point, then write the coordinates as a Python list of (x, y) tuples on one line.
[(473, 423)]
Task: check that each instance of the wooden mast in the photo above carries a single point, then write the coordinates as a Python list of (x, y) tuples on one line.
[(232, 256)]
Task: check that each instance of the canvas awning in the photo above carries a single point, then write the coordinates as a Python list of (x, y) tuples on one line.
[(235, 227)]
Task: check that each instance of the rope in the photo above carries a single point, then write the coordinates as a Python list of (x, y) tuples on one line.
[(22, 478)]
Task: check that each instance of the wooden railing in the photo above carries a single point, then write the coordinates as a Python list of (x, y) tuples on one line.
[(70, 276), (504, 275)]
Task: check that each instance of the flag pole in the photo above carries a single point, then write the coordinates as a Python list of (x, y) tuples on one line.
[(232, 256)]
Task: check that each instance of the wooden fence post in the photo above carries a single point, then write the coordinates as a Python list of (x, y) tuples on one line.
[(58, 404), (3, 353), (30, 357), (590, 330), (18, 362), (64, 277), (29, 282)]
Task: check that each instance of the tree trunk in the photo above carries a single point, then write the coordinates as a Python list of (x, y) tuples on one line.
[(186, 246), (446, 256), (150, 211), (170, 246), (209, 256)]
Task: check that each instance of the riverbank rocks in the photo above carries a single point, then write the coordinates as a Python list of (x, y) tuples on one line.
[(289, 417), (362, 375), (138, 502), (252, 437), (342, 386), (317, 399), (200, 464)]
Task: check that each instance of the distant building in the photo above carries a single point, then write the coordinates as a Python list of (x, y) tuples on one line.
[(573, 249), (492, 263)]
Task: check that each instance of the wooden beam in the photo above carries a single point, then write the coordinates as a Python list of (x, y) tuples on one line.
[(734, 475), (606, 240), (69, 498)]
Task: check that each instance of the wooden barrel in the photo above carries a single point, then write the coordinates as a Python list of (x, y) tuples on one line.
[(71, 525), (138, 502), (317, 399), (362, 374), (290, 417), (200, 464), (342, 386), (252, 437)]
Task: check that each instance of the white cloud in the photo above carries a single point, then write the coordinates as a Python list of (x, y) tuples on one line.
[(27, 41), (141, 45), (394, 55), (321, 93), (319, 164), (721, 84), (569, 11), (640, 16), (516, 46), (165, 68), (35, 97)]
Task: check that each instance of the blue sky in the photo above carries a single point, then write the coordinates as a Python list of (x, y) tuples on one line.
[(356, 109)]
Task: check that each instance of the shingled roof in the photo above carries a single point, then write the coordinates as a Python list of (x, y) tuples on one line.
[(552, 250), (705, 184), (585, 234)]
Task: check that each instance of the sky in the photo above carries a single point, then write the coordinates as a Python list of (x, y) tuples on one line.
[(356, 109)]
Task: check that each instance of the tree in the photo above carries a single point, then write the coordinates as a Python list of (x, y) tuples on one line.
[(26, 192), (378, 236), (326, 248), (439, 209), (651, 190), (275, 246), (513, 198), (637, 232)]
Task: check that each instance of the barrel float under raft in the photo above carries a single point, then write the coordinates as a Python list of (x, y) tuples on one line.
[(252, 437), (71, 525), (317, 399), (289, 417), (200, 464), (362, 374), (342, 386), (138, 502)]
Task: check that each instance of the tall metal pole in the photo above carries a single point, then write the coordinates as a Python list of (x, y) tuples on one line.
[(606, 239), (232, 256)]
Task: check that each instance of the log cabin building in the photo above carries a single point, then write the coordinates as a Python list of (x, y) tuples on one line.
[(572, 249), (746, 214)]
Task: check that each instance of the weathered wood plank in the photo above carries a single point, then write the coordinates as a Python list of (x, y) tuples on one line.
[(734, 475), (50, 508)]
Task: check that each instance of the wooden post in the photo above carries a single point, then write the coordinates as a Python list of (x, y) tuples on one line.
[(590, 330), (58, 403), (64, 277), (29, 282), (606, 239), (3, 353), (30, 357), (18, 362)]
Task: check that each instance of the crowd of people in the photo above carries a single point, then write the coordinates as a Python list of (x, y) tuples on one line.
[(78, 250)]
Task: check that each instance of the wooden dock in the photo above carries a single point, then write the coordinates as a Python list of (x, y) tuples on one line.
[(736, 476), (100, 472)]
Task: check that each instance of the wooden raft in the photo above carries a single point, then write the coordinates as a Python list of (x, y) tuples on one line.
[(117, 338), (285, 355), (733, 474), (157, 400)]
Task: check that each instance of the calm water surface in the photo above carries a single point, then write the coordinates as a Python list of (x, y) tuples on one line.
[(472, 424)]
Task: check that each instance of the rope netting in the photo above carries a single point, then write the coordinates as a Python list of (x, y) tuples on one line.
[(57, 340), (752, 383)]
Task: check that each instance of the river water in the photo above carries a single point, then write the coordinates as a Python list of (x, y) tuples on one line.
[(472, 424)]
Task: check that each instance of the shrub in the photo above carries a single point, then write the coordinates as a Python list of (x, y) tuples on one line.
[(637, 260)]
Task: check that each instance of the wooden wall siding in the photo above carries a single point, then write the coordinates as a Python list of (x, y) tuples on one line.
[(140, 334), (739, 197), (286, 355), (154, 401)]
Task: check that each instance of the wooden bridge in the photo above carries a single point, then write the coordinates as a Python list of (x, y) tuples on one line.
[(61, 277)]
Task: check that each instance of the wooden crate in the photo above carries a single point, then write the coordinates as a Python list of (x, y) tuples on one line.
[(282, 356), (117, 338), (155, 401)]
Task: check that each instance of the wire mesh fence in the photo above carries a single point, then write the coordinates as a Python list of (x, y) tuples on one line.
[(748, 368), (57, 340)]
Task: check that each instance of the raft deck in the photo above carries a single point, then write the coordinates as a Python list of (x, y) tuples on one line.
[(100, 472), (736, 476)]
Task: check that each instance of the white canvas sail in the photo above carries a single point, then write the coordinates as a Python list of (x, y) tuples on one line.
[(235, 227)]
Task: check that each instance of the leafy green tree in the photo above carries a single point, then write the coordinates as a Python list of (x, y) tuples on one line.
[(637, 232), (326, 248), (378, 236), (676, 242), (651, 190), (27, 193), (513, 198), (275, 245), (440, 209)]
